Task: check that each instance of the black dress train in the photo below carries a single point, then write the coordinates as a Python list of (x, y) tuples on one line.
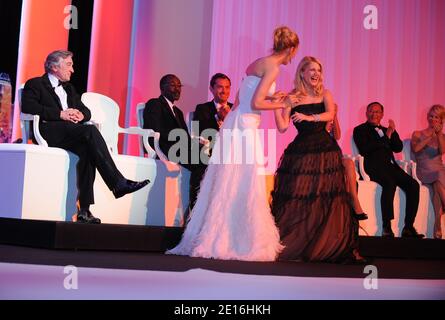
[(310, 203)]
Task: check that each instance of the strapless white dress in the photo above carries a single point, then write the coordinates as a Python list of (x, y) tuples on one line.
[(231, 218)]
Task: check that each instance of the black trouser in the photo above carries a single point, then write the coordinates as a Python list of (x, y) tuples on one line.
[(195, 180), (88, 144), (389, 178)]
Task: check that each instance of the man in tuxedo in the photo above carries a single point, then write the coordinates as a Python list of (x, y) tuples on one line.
[(210, 115), (62, 117), (377, 144), (163, 116)]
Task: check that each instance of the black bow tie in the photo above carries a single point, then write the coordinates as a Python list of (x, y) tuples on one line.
[(375, 126), (60, 83)]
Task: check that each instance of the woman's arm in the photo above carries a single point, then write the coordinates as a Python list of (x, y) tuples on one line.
[(282, 119), (328, 115), (336, 125), (417, 143), (441, 139), (336, 132), (260, 100)]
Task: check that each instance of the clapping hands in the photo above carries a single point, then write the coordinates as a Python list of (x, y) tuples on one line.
[(222, 113), (391, 128), (438, 127)]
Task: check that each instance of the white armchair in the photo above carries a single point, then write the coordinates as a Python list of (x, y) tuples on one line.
[(133, 208), (169, 198), (37, 182)]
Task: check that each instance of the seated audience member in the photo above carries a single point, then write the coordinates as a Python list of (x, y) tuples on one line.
[(210, 115), (428, 145), (377, 145), (164, 116), (62, 115)]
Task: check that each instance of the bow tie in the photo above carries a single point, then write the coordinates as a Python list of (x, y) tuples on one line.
[(60, 84), (376, 126)]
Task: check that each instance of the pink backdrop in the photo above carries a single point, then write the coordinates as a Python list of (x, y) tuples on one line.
[(134, 43), (400, 64)]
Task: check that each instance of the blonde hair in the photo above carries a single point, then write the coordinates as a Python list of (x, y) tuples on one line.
[(300, 85), (438, 109), (284, 38)]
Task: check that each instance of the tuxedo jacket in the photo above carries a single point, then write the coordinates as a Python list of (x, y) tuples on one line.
[(377, 151), (205, 114), (159, 117), (39, 97)]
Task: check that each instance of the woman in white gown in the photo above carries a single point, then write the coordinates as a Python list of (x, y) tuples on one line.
[(231, 218)]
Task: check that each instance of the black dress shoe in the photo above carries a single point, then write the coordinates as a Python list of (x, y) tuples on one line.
[(127, 186), (360, 216), (85, 216), (355, 258), (387, 232), (410, 232)]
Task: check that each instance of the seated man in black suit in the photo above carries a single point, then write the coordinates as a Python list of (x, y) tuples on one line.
[(210, 115), (163, 116), (62, 116), (377, 144)]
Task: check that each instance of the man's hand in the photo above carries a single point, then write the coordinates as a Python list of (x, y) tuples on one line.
[(72, 115), (391, 128), (222, 112)]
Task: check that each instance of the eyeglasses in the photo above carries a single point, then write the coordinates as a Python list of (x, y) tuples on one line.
[(175, 85)]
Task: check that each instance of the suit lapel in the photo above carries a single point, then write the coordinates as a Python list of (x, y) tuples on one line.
[(170, 112), (212, 108), (69, 94), (51, 91), (166, 107)]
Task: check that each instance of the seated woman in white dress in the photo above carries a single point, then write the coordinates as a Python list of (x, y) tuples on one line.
[(231, 218)]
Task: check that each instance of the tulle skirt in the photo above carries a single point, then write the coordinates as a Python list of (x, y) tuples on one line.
[(311, 206), (231, 218)]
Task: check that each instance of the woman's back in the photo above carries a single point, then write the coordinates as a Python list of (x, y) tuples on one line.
[(246, 92)]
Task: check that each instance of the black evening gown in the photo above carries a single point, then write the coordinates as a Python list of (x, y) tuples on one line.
[(310, 203)]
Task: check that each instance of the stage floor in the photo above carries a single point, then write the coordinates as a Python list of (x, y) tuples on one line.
[(388, 268), (30, 281), (127, 262)]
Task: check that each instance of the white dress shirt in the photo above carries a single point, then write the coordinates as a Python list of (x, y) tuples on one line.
[(61, 93), (170, 104)]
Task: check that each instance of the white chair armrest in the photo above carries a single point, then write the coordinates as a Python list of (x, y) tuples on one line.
[(40, 140), (413, 165), (403, 164), (205, 142), (361, 168), (147, 133), (37, 135)]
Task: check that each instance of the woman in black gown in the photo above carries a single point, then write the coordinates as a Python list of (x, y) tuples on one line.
[(310, 203)]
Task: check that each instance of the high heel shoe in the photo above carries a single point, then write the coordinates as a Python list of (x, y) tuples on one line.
[(355, 258), (358, 258), (360, 216)]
